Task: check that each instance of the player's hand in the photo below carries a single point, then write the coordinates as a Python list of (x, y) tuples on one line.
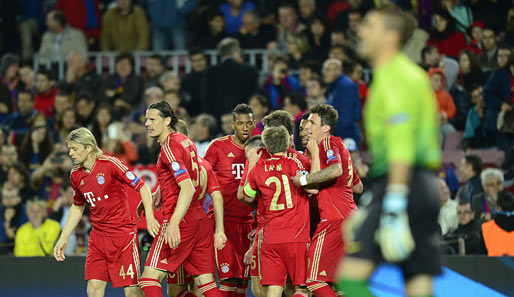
[(296, 179), (172, 236), (152, 225), (156, 197), (139, 210), (394, 235), (248, 256), (254, 155), (59, 249), (219, 240), (313, 147), (251, 235)]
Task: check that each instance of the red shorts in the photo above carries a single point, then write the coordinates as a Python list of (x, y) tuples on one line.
[(230, 259), (195, 249), (280, 260), (325, 251), (255, 267), (113, 259), (179, 277)]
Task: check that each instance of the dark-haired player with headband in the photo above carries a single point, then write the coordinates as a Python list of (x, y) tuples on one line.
[(403, 136)]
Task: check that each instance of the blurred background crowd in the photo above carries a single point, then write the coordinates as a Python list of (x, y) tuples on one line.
[(99, 63)]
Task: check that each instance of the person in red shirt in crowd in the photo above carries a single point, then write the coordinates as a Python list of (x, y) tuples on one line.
[(445, 104), (83, 15), (227, 157), (475, 33), (113, 253), (445, 37), (44, 99), (185, 236), (285, 212), (337, 181)]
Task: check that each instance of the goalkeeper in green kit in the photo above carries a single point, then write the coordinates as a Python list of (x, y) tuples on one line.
[(399, 222)]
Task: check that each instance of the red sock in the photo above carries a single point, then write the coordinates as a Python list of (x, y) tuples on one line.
[(151, 287), (300, 294), (320, 289), (186, 293), (227, 289), (209, 290), (241, 290)]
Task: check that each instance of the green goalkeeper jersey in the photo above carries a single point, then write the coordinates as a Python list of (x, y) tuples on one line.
[(401, 117)]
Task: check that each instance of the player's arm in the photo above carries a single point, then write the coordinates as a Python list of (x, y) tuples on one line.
[(313, 148), (152, 225), (219, 234), (250, 189), (74, 216), (331, 172), (187, 191), (358, 188)]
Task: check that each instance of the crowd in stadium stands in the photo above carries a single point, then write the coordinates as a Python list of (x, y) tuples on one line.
[(465, 46)]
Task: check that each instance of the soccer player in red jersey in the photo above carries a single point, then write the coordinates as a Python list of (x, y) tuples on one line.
[(113, 254), (285, 234), (337, 181), (227, 157), (185, 237)]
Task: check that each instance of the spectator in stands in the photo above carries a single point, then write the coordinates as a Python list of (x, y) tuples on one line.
[(502, 56), (60, 40), (280, 82), (316, 90), (445, 37), (62, 102), (9, 66), (474, 134), (476, 37), (79, 78), (260, 106), (125, 28), (174, 98), (192, 84), (298, 51), (343, 95), (65, 123), (432, 58), (470, 73), (296, 105), (203, 131), (8, 157), (19, 121), (469, 172), (123, 89), (337, 37), (119, 144), (226, 124), (27, 78), (233, 12), (340, 52), (169, 81), (83, 15), (44, 98), (307, 10), (445, 105), (85, 106), (210, 37), (155, 67), (486, 58), (485, 205), (12, 216), (498, 97), (288, 24), (462, 103), (18, 177), (104, 116), (308, 70), (32, 20), (37, 143), (230, 81), (38, 236), (468, 229), (353, 21), (169, 23), (253, 34), (497, 234), (448, 219), (417, 41), (354, 71), (460, 13), (319, 37)]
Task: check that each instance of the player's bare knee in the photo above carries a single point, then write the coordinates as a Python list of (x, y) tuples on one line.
[(274, 291), (257, 289), (133, 291), (95, 288), (420, 285), (353, 268), (174, 290)]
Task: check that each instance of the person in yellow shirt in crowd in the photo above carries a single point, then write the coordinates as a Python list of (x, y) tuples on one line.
[(38, 236)]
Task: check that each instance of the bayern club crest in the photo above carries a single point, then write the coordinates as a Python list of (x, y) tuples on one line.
[(130, 175), (100, 178)]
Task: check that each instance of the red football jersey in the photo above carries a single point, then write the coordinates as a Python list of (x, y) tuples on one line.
[(104, 189), (228, 162), (211, 184), (286, 207), (335, 198), (177, 162)]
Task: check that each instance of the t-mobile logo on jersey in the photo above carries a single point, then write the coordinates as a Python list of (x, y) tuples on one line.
[(237, 170), (90, 198)]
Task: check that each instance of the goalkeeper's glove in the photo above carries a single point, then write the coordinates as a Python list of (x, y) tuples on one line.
[(394, 235)]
